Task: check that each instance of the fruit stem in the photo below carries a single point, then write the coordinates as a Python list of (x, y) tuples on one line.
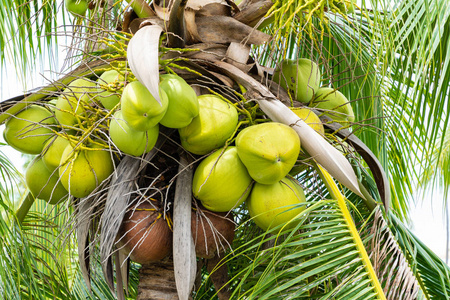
[(173, 65), (229, 141), (25, 207), (141, 8)]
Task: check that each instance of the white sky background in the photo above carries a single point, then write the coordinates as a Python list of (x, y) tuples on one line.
[(427, 216), (428, 221)]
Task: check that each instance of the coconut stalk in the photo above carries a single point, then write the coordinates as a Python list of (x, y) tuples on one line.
[(24, 207), (177, 25)]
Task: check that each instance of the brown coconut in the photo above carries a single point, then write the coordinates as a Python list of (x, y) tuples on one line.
[(213, 232), (145, 235)]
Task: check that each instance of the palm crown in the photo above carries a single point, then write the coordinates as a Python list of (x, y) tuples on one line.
[(254, 60)]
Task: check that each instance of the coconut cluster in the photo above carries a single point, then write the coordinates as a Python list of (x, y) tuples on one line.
[(71, 158), (255, 169), (301, 79), (234, 163), (67, 161)]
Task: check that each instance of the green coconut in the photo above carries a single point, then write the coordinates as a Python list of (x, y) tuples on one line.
[(82, 171), (268, 150), (276, 204), (183, 102), (70, 104), (140, 109), (221, 182), (76, 7), (131, 141), (53, 150), (310, 118), (107, 98), (301, 78), (28, 131), (44, 183), (214, 125), (334, 104)]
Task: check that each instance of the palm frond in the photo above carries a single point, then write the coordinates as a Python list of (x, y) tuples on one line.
[(440, 159), (27, 31), (321, 262), (32, 275), (416, 41), (432, 273), (38, 258), (390, 62), (390, 263), (322, 257)]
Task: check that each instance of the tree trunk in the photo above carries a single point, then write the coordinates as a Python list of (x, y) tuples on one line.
[(157, 281)]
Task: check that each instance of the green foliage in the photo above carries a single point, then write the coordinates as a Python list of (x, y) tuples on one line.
[(27, 30), (391, 63), (37, 258), (318, 261), (432, 273)]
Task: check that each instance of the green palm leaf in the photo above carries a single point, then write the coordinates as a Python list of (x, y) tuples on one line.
[(38, 258), (27, 31), (432, 273), (322, 258)]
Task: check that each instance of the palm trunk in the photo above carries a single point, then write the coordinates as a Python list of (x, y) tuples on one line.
[(157, 281)]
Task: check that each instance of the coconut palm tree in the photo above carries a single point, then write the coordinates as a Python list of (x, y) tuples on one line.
[(348, 241)]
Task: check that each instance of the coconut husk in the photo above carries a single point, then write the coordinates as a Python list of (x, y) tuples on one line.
[(218, 273), (238, 55), (144, 234), (213, 232)]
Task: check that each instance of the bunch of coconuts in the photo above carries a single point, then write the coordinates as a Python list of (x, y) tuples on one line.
[(301, 79), (236, 165), (256, 168), (65, 134)]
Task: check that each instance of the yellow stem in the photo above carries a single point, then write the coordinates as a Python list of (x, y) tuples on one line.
[(336, 194)]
